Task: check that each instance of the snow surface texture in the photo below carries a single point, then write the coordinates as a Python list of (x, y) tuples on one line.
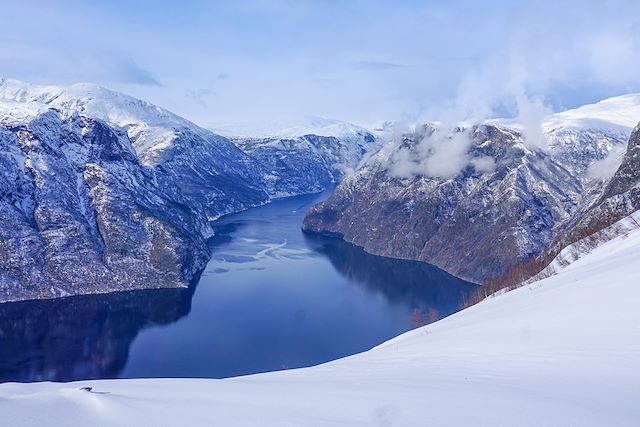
[(561, 351)]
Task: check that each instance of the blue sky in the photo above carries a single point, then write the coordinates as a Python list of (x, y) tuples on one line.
[(255, 63)]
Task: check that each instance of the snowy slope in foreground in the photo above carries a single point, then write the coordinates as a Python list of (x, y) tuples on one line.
[(562, 351)]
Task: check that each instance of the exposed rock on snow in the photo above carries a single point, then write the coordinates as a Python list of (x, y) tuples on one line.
[(574, 251), (203, 167), (598, 221)]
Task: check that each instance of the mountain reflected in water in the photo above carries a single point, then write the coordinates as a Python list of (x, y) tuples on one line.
[(270, 298), (84, 337), (428, 291)]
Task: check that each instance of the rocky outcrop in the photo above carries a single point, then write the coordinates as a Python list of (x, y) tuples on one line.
[(192, 163), (574, 251)]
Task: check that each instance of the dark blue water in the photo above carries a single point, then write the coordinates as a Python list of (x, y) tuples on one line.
[(271, 298)]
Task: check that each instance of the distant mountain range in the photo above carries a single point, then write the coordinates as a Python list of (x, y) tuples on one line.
[(308, 163)]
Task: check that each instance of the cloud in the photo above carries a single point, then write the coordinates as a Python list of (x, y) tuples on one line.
[(484, 164), (530, 114), (200, 95), (541, 54), (39, 63), (379, 65), (605, 168), (546, 55), (118, 69), (411, 61), (437, 154)]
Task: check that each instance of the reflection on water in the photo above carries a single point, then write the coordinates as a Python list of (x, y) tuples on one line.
[(270, 298), (429, 292), (83, 337)]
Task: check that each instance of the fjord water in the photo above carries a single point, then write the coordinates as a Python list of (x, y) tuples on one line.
[(271, 298)]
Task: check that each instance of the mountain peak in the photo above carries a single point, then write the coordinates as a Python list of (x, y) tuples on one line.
[(95, 101)]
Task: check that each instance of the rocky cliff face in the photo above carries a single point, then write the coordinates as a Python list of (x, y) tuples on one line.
[(206, 169), (506, 204), (80, 214)]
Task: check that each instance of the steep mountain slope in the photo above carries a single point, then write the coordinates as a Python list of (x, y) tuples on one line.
[(562, 351), (581, 248), (80, 214), (205, 168), (103, 192), (621, 195), (294, 165), (594, 222), (505, 204)]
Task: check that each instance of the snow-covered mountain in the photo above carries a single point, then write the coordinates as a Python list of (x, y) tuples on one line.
[(101, 192), (80, 214), (204, 167), (295, 164), (303, 156), (599, 220), (544, 354), (503, 202)]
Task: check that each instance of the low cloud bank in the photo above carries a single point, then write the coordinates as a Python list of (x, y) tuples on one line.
[(605, 168)]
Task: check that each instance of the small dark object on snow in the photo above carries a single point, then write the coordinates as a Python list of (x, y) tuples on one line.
[(87, 389)]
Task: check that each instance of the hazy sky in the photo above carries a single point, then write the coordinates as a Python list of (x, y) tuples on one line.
[(257, 62)]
